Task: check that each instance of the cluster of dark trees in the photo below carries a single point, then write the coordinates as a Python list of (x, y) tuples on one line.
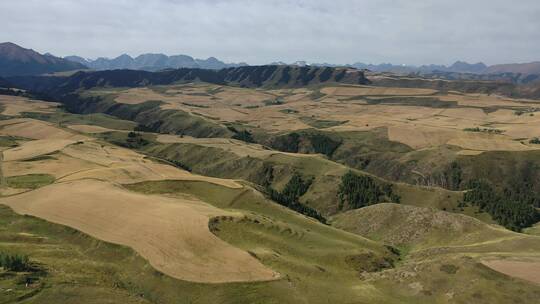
[(15, 262), (323, 144), (514, 208), (287, 143), (264, 176), (453, 176), (244, 135), (313, 141), (135, 141), (289, 197), (357, 191), (180, 165)]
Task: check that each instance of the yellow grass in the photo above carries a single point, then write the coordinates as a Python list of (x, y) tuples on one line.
[(14, 105), (137, 95), (36, 129), (125, 173), (492, 143), (35, 148), (171, 233), (469, 152), (7, 191), (58, 165), (90, 129), (417, 138), (237, 147), (366, 91)]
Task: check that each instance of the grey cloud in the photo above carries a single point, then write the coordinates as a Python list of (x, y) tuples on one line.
[(339, 31)]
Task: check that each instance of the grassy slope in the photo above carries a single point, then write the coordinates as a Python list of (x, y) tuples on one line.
[(442, 252), (80, 269), (148, 114), (416, 227), (311, 257), (322, 195)]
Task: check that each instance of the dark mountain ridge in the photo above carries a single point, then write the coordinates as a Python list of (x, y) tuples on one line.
[(18, 61), (4, 83), (248, 76)]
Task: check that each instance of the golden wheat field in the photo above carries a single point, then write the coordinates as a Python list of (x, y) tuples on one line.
[(171, 233), (419, 118)]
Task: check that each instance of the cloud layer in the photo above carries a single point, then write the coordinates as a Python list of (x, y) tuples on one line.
[(338, 31)]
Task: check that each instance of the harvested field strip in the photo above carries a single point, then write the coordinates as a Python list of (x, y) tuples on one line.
[(145, 171), (57, 164), (36, 129), (172, 234), (525, 270), (36, 148), (90, 129), (16, 105)]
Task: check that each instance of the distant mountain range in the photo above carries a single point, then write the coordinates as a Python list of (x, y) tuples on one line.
[(510, 71), (458, 67), (18, 61), (152, 62)]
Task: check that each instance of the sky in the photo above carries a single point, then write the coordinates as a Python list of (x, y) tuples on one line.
[(412, 32)]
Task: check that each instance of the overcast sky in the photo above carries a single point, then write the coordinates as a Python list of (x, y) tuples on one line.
[(257, 32)]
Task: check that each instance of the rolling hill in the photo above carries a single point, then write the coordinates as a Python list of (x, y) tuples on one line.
[(170, 218)]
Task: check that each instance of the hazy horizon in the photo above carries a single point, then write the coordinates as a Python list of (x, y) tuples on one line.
[(343, 32)]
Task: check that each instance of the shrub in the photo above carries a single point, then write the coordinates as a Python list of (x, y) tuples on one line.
[(134, 140), (486, 130), (15, 262), (244, 135), (180, 165), (535, 141)]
